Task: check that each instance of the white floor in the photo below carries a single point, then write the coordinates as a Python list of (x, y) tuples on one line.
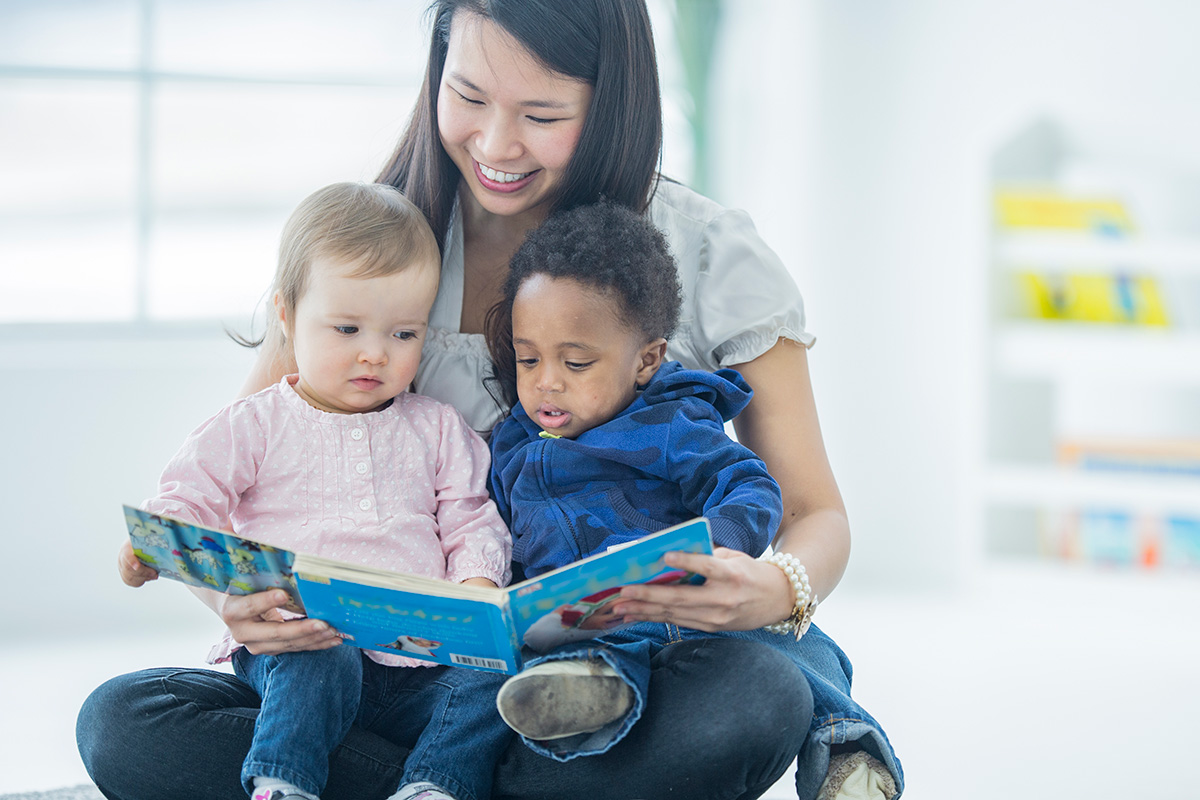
[(1036, 683)]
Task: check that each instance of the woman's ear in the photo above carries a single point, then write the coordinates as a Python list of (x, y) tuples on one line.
[(651, 359), (281, 313)]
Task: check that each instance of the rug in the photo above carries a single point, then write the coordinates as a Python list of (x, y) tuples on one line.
[(83, 792)]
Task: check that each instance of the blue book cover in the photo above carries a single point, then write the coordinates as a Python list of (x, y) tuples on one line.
[(209, 558), (416, 616)]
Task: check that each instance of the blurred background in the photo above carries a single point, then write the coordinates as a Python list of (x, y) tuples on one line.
[(993, 211)]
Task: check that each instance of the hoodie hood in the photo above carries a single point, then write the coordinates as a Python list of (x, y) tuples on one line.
[(724, 389)]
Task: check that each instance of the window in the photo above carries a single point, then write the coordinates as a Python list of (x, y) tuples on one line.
[(152, 149)]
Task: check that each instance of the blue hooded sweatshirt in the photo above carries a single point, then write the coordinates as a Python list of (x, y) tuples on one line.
[(663, 460)]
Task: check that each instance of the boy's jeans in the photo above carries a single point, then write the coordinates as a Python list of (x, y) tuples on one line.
[(629, 652), (446, 715)]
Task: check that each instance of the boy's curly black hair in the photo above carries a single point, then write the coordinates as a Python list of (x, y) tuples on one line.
[(605, 246)]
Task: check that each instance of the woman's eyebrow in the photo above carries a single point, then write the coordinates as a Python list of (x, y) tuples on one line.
[(549, 104)]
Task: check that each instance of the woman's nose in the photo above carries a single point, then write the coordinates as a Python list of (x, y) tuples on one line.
[(498, 141)]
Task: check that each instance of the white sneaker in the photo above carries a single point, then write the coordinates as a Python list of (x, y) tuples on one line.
[(857, 776), (557, 699)]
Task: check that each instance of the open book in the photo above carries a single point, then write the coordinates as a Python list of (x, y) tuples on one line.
[(425, 618)]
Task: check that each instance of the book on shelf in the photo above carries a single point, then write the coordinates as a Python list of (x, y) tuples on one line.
[(1111, 296), (425, 618), (1111, 534), (1020, 208), (1091, 297)]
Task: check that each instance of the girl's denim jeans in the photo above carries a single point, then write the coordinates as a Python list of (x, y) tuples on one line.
[(446, 716)]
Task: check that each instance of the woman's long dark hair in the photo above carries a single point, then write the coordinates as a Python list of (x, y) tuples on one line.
[(607, 43)]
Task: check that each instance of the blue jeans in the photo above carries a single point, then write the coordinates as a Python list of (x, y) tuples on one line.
[(721, 724), (445, 716), (630, 652)]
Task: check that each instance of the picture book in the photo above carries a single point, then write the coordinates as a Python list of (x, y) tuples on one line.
[(416, 616)]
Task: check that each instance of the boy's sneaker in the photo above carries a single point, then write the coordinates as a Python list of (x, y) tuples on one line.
[(557, 699), (857, 775)]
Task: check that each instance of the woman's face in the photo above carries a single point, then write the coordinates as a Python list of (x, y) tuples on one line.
[(509, 124)]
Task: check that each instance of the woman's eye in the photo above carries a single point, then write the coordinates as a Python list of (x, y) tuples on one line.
[(406, 336), (541, 120), (346, 329), (467, 99)]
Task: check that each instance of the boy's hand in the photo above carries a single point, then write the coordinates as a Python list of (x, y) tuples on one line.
[(133, 572)]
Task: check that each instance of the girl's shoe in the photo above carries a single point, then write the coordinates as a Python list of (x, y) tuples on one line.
[(557, 699), (421, 791)]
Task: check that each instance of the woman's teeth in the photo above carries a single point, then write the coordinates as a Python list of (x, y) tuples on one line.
[(502, 177)]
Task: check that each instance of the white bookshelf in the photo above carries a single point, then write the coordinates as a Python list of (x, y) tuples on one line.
[(1164, 256), (1056, 351), (1049, 381)]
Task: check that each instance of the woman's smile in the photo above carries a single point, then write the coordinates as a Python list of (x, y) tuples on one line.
[(498, 181)]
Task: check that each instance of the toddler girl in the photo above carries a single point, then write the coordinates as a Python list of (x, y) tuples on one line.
[(341, 461)]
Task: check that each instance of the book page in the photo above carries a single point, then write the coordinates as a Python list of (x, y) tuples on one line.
[(574, 602)]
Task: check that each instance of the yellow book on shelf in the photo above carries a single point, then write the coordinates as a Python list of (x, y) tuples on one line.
[(1091, 297), (1050, 210)]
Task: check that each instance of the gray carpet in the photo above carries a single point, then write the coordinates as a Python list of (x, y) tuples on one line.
[(84, 792)]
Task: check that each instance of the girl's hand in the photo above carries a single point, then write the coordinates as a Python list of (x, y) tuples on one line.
[(739, 593), (133, 572), (255, 622), (479, 582)]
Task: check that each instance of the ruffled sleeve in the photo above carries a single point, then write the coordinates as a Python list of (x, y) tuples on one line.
[(739, 298)]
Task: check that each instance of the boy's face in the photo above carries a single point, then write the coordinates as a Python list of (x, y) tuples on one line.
[(578, 363), (358, 340)]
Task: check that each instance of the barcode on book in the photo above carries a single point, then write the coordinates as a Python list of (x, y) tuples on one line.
[(473, 661)]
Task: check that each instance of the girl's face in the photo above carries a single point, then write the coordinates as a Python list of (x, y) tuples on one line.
[(358, 340), (578, 363), (509, 124)]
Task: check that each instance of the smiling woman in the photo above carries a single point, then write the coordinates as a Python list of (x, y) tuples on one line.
[(548, 107)]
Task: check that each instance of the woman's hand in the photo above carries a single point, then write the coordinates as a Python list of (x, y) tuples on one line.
[(255, 622), (739, 593), (133, 572)]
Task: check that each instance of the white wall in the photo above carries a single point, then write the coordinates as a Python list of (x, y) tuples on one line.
[(857, 133), (89, 423)]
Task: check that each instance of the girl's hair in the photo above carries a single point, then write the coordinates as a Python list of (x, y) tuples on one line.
[(606, 247), (608, 44), (369, 225)]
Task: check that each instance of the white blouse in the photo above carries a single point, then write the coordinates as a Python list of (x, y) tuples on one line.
[(738, 300)]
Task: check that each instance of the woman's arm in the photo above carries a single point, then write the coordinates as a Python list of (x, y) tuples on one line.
[(781, 426), (740, 592)]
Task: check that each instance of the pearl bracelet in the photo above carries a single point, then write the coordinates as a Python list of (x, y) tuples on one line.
[(806, 602)]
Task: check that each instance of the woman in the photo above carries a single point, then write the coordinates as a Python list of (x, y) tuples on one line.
[(530, 106)]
